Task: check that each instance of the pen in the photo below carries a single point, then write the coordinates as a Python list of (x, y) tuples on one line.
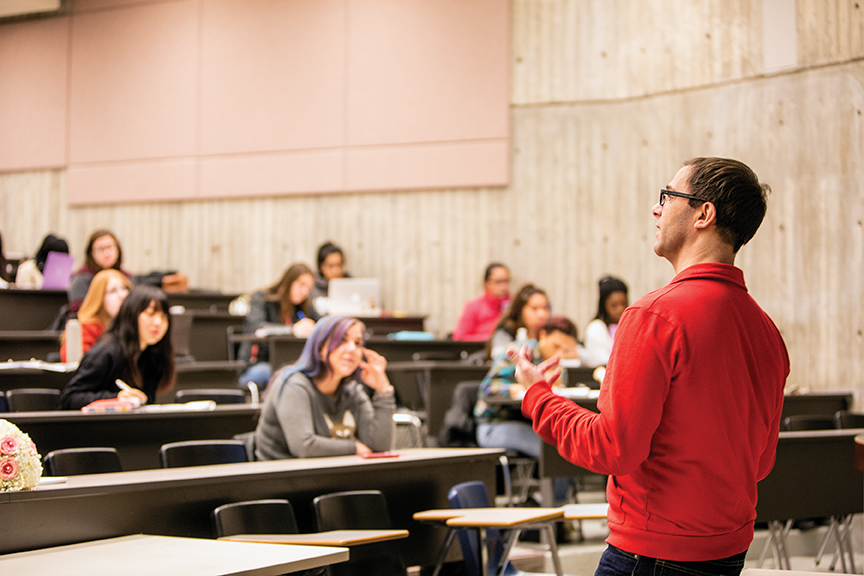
[(123, 386), (300, 315)]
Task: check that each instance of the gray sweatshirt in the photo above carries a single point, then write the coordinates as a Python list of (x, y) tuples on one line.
[(298, 421)]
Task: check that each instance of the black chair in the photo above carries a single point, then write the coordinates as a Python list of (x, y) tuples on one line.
[(4, 406), (804, 422), (202, 453), (33, 399), (848, 419), (255, 517), (220, 396), (76, 461), (360, 510)]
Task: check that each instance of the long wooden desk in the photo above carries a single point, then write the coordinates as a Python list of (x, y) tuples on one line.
[(143, 555), (178, 501), (30, 309), (137, 436)]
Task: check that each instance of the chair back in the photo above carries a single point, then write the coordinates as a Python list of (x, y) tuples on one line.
[(255, 517), (808, 422), (220, 396), (33, 399), (409, 386), (474, 495), (202, 453), (848, 419), (76, 461), (459, 428), (409, 432), (360, 510)]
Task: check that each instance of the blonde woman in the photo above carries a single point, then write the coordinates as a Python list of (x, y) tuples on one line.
[(107, 292)]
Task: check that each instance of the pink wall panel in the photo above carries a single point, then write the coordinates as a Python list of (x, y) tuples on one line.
[(272, 75), (172, 99), (33, 77), (265, 175), (451, 165), (422, 70), (131, 182), (134, 82)]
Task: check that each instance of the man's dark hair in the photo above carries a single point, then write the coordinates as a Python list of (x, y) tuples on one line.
[(736, 193), (492, 267), (561, 324)]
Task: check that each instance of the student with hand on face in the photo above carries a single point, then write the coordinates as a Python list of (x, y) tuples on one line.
[(480, 315), (600, 332), (107, 292), (103, 252), (285, 303), (319, 407), (136, 349)]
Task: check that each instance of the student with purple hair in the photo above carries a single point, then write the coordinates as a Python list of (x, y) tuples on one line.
[(318, 406)]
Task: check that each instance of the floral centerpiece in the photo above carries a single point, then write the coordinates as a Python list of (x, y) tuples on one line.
[(20, 463)]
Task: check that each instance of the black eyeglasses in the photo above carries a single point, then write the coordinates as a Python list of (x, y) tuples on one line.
[(664, 193)]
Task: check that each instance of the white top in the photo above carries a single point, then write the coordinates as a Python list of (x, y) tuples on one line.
[(598, 344)]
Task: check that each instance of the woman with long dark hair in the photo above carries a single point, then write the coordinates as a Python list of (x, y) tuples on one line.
[(136, 349), (600, 332), (318, 406), (103, 252), (285, 303), (529, 309)]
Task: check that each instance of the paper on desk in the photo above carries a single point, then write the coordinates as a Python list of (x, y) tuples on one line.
[(198, 405), (34, 364)]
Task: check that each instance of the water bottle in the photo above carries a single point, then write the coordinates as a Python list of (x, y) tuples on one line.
[(73, 341)]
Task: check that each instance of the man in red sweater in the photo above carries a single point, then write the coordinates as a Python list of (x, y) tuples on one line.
[(690, 405)]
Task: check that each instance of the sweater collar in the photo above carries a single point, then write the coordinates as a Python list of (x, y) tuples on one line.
[(712, 271), (492, 301)]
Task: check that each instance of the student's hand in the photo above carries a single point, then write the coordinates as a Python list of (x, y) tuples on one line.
[(527, 373), (362, 448), (372, 370), (303, 327), (133, 395)]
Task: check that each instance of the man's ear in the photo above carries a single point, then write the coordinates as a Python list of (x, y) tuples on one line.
[(706, 215)]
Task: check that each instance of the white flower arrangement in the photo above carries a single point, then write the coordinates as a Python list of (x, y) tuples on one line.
[(20, 463)]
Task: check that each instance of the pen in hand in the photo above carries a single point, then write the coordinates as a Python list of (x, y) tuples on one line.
[(124, 386)]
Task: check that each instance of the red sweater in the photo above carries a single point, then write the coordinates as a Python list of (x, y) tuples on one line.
[(689, 417), (90, 332), (479, 317)]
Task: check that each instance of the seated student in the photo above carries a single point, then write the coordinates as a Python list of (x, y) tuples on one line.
[(103, 252), (600, 332), (136, 349), (318, 406), (502, 426), (285, 303), (29, 273), (529, 309), (480, 315), (107, 292), (331, 264)]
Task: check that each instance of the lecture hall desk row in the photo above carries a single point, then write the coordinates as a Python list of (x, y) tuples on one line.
[(178, 501)]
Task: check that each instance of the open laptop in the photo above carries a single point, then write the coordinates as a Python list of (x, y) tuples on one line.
[(57, 271), (354, 296)]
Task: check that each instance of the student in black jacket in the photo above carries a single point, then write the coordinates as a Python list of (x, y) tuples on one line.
[(136, 349)]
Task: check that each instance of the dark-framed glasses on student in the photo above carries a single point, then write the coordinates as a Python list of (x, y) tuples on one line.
[(664, 193)]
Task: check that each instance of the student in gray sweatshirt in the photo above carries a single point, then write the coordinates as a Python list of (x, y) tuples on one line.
[(318, 406)]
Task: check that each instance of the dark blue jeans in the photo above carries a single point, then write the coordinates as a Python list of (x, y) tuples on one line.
[(616, 562)]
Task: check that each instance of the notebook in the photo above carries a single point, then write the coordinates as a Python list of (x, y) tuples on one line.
[(57, 271), (354, 296)]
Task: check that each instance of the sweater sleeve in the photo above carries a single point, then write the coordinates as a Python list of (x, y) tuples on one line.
[(374, 419), (294, 412), (465, 325), (618, 439), (94, 380)]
